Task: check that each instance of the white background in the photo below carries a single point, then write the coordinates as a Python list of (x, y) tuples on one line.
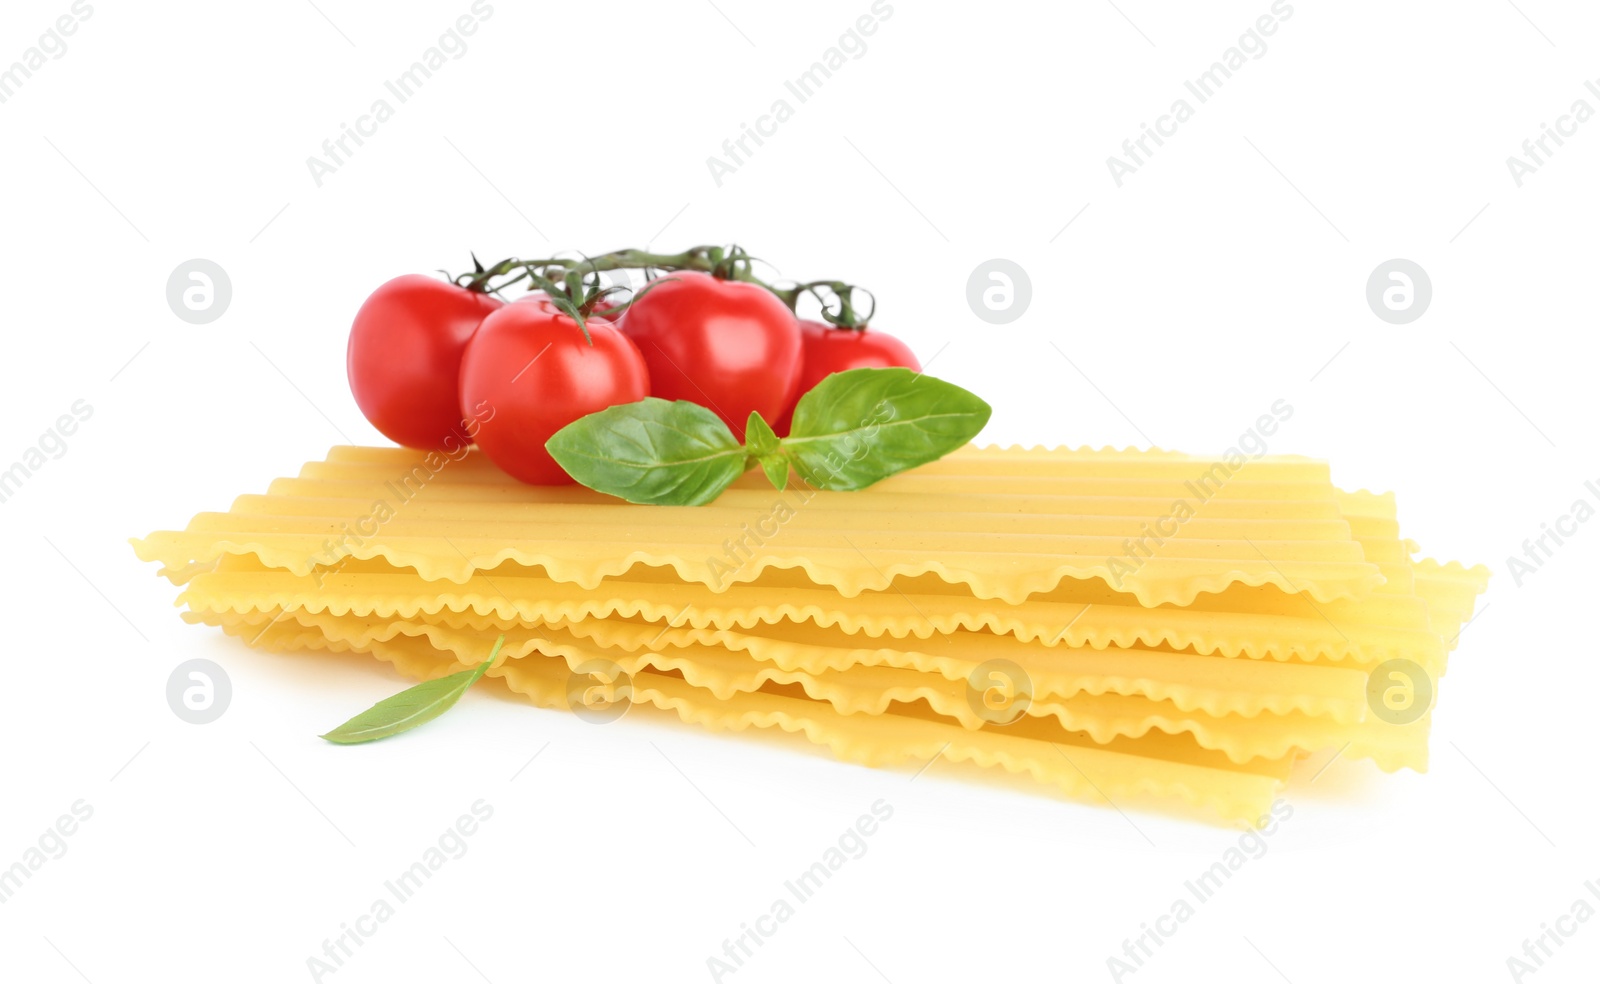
[(1222, 276)]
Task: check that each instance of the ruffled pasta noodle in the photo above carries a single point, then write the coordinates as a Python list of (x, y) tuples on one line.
[(1191, 661)]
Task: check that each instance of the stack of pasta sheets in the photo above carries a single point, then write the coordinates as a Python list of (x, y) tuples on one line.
[(1118, 625)]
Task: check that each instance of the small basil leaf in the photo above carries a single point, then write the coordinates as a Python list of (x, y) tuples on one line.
[(653, 452), (860, 426), (762, 446), (409, 708), (760, 439)]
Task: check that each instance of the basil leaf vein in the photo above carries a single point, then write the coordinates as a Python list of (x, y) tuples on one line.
[(858, 427), (654, 452)]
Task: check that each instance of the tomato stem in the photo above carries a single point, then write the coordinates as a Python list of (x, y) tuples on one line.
[(576, 281)]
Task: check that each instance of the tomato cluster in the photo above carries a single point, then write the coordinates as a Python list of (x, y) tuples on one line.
[(426, 356)]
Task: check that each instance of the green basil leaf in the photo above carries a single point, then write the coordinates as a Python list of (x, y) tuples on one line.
[(763, 447), (653, 452), (860, 426), (409, 708), (777, 471), (760, 440)]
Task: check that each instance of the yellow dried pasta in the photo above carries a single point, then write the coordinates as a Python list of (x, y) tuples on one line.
[(1211, 684), (1081, 614), (1163, 766), (1105, 697), (1191, 657), (850, 542)]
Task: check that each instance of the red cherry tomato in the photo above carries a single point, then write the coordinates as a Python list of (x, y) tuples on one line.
[(602, 308), (827, 350), (405, 354), (606, 308), (528, 372), (730, 346)]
